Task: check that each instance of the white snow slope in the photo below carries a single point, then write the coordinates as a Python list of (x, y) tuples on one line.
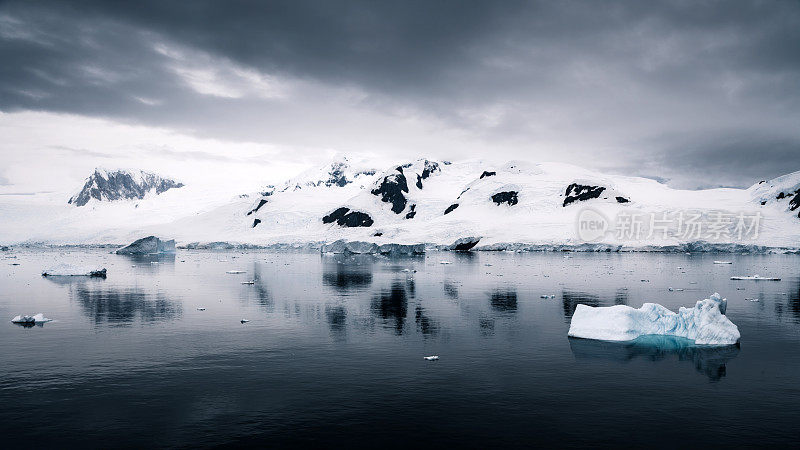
[(530, 209)]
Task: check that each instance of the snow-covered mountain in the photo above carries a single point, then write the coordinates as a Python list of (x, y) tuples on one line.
[(105, 185), (512, 205)]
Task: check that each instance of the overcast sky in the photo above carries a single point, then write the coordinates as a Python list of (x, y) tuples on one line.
[(699, 93)]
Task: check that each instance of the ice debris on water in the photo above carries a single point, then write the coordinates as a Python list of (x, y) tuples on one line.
[(723, 262), (200, 308), (751, 299), (547, 296), (68, 270), (705, 323), (32, 320), (249, 282), (756, 278), (445, 262), (431, 358), (235, 271), (244, 321)]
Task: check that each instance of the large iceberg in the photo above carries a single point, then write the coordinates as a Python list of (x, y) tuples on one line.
[(31, 320), (148, 245), (705, 323)]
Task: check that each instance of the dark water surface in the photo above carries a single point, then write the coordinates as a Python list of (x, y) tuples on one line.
[(333, 353)]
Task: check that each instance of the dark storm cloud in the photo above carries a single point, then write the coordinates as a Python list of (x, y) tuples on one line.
[(657, 82)]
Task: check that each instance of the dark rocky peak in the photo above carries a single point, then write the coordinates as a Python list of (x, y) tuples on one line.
[(391, 190), (487, 173), (105, 185)]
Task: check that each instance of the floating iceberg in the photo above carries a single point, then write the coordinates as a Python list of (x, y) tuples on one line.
[(431, 358), (705, 323), (31, 320), (723, 262), (756, 278), (68, 270), (148, 245)]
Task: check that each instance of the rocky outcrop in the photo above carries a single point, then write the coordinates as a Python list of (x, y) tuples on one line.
[(346, 218), (103, 185), (148, 245), (450, 208), (261, 203), (509, 197), (581, 192), (487, 173), (392, 190), (256, 222), (464, 244)]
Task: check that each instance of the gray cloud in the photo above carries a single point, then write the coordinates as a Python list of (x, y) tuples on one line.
[(669, 88)]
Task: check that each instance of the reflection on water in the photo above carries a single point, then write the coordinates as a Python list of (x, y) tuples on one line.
[(425, 324), (504, 300), (571, 299), (710, 361), (450, 290), (105, 304), (336, 315), (391, 305), (791, 308), (347, 272)]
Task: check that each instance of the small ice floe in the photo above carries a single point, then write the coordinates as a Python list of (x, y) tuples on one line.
[(249, 282), (547, 296), (740, 288), (488, 265), (705, 323), (693, 282), (68, 270), (233, 272), (200, 308), (244, 321), (431, 358), (31, 320), (675, 289), (723, 262), (756, 278), (645, 281), (445, 262), (153, 262), (751, 299)]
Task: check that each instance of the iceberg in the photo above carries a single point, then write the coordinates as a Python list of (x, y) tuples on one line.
[(705, 323), (148, 245), (68, 270), (30, 320), (756, 278)]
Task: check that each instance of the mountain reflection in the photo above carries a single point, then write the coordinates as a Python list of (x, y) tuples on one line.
[(504, 300), (347, 273), (710, 361), (791, 309), (392, 306), (336, 316), (571, 299), (105, 304)]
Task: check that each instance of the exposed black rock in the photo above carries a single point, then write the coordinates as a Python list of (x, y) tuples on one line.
[(464, 244), (509, 197), (419, 181), (121, 185), (764, 202), (346, 218), (580, 192), (256, 222), (378, 234), (261, 203), (391, 190), (794, 203), (622, 200), (487, 173), (412, 212), (429, 168), (335, 215), (450, 208)]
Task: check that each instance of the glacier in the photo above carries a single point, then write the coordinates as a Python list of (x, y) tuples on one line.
[(705, 323)]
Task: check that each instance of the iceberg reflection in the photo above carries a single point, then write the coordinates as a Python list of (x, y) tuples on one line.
[(710, 361)]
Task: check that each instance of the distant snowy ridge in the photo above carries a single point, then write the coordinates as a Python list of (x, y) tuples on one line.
[(105, 185), (517, 205)]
